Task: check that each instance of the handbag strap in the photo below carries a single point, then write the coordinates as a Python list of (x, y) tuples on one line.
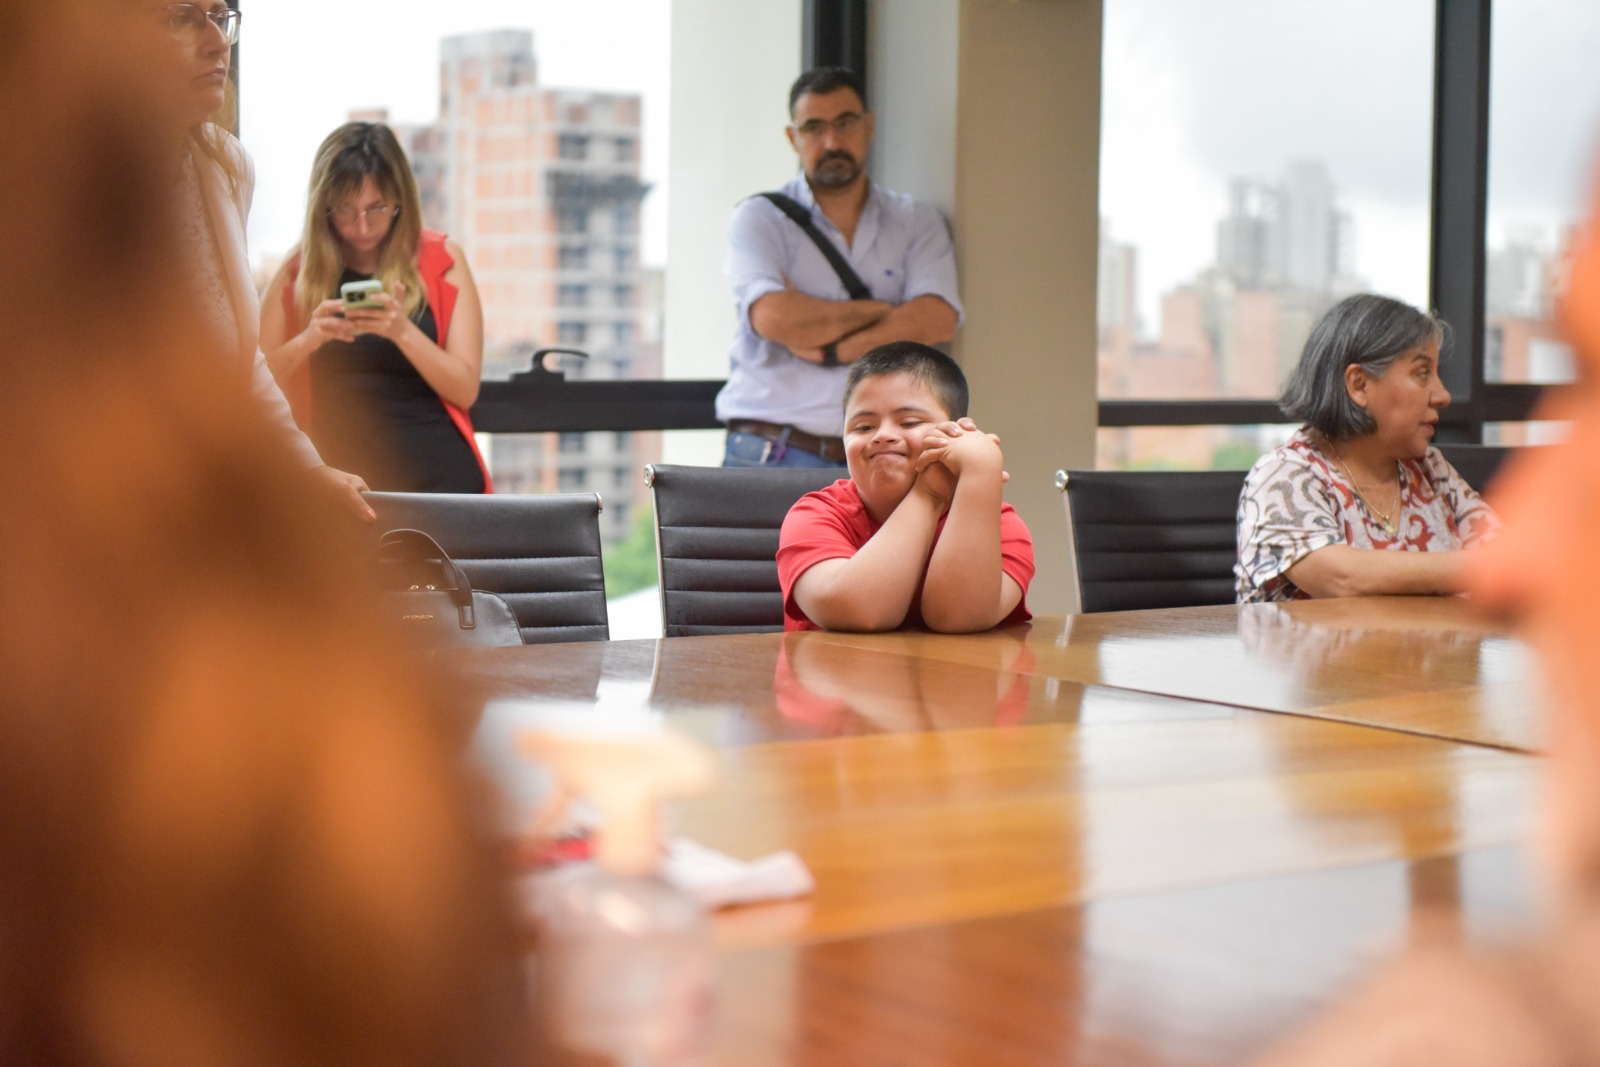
[(414, 546), (802, 218)]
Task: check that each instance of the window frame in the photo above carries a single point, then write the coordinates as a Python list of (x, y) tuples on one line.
[(1458, 241), (835, 32)]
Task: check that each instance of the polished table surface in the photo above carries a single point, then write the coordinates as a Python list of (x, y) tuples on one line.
[(1143, 837), (1424, 664)]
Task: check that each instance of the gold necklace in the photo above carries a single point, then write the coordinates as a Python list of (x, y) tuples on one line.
[(1385, 519)]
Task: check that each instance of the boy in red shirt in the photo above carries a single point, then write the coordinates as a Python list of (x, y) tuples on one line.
[(917, 537)]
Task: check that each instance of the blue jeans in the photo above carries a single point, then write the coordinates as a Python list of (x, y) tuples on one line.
[(747, 450)]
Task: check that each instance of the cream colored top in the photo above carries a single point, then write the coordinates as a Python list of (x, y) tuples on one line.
[(212, 218)]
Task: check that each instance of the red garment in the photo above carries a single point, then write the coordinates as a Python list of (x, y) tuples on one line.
[(433, 260), (828, 716), (833, 523)]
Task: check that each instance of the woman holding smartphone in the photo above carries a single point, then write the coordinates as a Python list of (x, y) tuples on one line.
[(381, 383)]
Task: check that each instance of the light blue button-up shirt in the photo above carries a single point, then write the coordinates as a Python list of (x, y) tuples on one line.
[(902, 250)]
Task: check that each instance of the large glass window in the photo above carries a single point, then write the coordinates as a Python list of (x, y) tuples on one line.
[(537, 131), (1544, 120), (1258, 162), (1187, 447)]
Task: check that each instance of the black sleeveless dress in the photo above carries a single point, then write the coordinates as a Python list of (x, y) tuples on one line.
[(373, 415)]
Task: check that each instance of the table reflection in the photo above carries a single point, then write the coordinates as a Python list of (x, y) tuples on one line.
[(842, 690), (1342, 650), (1423, 664)]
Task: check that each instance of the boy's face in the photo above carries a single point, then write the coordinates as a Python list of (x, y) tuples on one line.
[(886, 419)]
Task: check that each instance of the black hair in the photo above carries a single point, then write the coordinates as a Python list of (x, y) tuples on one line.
[(1367, 330), (924, 363), (822, 80)]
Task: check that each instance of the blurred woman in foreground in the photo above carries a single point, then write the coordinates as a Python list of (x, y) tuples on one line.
[(213, 185), (1359, 502), (232, 830)]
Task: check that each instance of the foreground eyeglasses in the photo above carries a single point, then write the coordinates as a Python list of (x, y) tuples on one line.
[(188, 22), (377, 213)]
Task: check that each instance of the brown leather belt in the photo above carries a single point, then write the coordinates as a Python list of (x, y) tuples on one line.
[(828, 448)]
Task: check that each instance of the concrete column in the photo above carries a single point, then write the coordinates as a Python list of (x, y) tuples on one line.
[(732, 64), (1026, 222), (913, 49)]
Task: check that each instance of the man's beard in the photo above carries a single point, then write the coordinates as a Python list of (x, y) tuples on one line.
[(836, 170)]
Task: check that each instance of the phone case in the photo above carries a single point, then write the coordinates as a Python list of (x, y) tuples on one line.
[(360, 294)]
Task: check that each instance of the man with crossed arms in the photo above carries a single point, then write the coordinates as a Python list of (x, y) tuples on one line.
[(798, 327)]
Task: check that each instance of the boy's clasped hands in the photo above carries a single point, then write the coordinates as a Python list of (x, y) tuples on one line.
[(952, 449)]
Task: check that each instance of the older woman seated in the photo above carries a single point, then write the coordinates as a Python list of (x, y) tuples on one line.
[(1358, 502)]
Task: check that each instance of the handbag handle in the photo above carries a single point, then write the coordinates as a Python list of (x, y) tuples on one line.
[(414, 546)]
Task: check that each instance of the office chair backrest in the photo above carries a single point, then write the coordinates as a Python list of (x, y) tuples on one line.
[(1151, 539), (541, 553), (717, 543), (1476, 463)]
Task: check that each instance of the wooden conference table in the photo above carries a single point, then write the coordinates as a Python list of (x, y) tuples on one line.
[(1158, 837)]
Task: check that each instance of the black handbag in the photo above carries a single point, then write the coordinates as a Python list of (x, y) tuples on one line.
[(432, 600)]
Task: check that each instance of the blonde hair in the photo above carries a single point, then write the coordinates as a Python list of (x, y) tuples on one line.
[(352, 153), (213, 139)]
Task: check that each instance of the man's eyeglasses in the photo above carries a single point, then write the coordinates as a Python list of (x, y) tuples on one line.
[(188, 22), (814, 128), (349, 216)]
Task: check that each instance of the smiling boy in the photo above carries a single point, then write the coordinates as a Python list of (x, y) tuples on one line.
[(918, 536)]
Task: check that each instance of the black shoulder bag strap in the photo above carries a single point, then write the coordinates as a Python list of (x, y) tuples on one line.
[(802, 218)]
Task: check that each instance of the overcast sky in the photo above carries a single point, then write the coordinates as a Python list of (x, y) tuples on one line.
[(305, 64), (1198, 93)]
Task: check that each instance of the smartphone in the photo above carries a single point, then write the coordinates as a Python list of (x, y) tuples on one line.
[(360, 294)]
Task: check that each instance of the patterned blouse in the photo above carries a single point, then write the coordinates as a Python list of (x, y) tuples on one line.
[(1296, 501)]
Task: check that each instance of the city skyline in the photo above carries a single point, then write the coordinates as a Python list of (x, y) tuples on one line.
[(391, 65), (1235, 327), (1291, 234), (541, 187)]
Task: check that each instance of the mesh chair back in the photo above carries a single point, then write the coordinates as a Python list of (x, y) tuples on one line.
[(717, 543), (541, 553), (1152, 539)]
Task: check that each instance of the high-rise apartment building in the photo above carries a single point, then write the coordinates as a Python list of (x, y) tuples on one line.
[(1283, 256), (1117, 289), (1521, 341), (1288, 234), (1247, 250), (541, 186), (1309, 230)]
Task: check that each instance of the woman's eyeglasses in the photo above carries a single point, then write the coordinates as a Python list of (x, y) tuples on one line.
[(188, 22), (349, 216)]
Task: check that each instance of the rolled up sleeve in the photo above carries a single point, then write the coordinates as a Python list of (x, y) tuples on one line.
[(1285, 514), (755, 256), (931, 260)]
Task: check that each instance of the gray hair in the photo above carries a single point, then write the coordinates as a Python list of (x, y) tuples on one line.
[(1366, 330)]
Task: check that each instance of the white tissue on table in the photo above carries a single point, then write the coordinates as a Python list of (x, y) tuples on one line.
[(718, 880)]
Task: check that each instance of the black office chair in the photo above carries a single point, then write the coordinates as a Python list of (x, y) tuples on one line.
[(717, 543), (1476, 463), (541, 553), (1151, 539)]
